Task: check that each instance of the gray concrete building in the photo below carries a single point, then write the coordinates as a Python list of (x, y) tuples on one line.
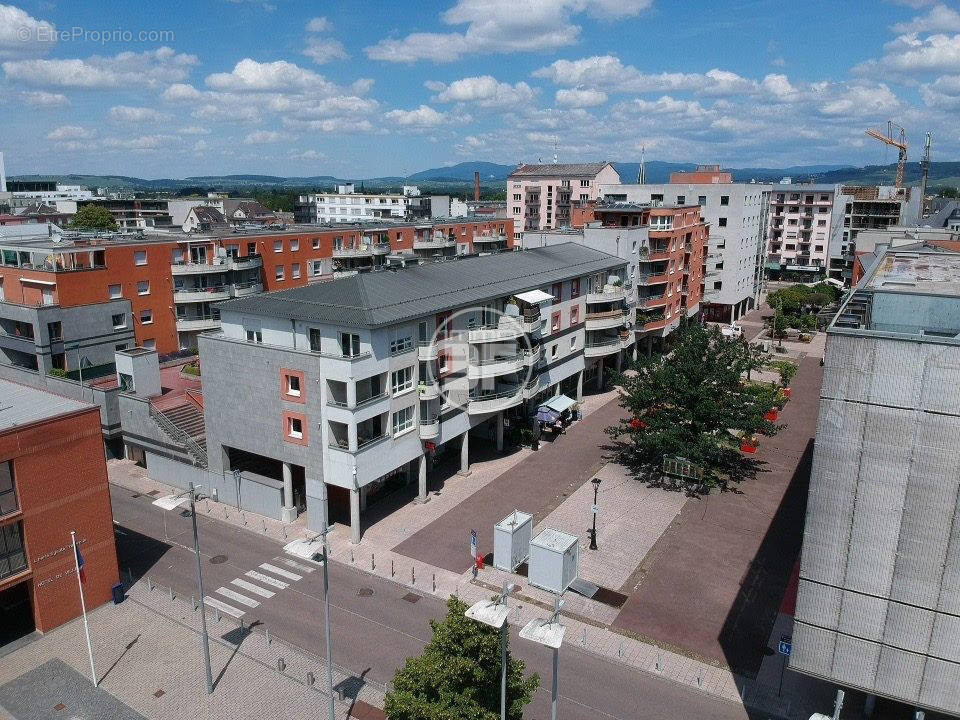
[(799, 230), (340, 392), (878, 607)]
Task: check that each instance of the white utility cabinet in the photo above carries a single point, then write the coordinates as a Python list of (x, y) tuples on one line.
[(511, 540), (554, 560)]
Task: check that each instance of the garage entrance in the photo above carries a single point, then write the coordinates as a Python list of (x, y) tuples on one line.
[(17, 613)]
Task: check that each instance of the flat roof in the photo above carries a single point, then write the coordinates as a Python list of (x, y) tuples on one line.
[(930, 272), (388, 297), (22, 405)]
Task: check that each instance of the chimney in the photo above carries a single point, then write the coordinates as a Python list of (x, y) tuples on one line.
[(3, 175), (476, 182)]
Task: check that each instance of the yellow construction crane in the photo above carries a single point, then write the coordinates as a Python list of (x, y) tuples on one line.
[(900, 144)]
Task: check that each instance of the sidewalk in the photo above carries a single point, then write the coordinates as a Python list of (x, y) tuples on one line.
[(149, 660)]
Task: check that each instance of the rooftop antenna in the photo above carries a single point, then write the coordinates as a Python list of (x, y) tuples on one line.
[(642, 173), (554, 149)]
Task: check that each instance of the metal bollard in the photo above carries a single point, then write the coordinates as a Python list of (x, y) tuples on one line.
[(281, 664), (284, 532), (413, 575), (244, 516), (263, 520), (171, 592), (193, 601), (620, 652), (434, 582), (310, 679), (391, 568), (216, 614), (373, 562), (700, 682), (266, 634), (351, 556), (583, 642), (657, 666), (149, 583)]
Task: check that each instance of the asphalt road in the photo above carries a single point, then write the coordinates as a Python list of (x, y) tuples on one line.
[(373, 635)]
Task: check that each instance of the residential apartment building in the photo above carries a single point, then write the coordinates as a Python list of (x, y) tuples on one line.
[(866, 208), (347, 205), (799, 229), (64, 198), (352, 388), (159, 291), (135, 214), (53, 480), (539, 197), (879, 589), (737, 216)]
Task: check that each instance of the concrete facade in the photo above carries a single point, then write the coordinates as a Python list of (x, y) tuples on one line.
[(799, 229), (879, 588)]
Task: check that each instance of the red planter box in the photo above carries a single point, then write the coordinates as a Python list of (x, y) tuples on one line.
[(748, 448), (771, 415)]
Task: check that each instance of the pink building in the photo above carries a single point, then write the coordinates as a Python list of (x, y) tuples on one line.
[(539, 197)]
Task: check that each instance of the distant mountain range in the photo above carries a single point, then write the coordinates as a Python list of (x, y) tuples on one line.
[(492, 175)]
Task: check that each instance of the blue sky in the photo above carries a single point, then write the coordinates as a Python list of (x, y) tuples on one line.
[(361, 89)]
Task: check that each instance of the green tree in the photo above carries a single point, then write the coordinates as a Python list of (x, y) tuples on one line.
[(94, 217), (693, 403), (458, 675)]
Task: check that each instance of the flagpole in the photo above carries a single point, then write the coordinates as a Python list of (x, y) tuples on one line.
[(83, 607)]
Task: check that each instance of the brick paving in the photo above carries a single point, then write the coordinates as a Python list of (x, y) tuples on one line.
[(714, 582), (537, 485)]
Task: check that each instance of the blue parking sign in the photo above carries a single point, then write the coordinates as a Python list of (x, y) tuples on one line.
[(785, 645)]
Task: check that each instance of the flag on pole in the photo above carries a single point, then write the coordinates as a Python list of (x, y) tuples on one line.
[(80, 563)]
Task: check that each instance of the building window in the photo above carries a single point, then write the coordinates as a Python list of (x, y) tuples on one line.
[(295, 427), (120, 346), (13, 559), (115, 291), (557, 291), (150, 344), (254, 336), (294, 244), (316, 243), (724, 199), (119, 321), (292, 385), (278, 272), (401, 345), (553, 350), (146, 317), (681, 199), (315, 339), (140, 257), (702, 200), (8, 492), (555, 321), (278, 246), (295, 271), (251, 248), (349, 344), (55, 331), (401, 380), (574, 315), (402, 420), (575, 285), (143, 287), (573, 343), (584, 183), (722, 222)]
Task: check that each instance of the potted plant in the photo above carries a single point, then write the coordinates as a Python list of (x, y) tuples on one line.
[(748, 444)]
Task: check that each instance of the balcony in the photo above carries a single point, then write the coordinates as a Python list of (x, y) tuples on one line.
[(363, 251), (651, 321), (429, 428), (427, 350), (607, 319), (601, 348), (244, 289), (363, 443), (533, 355), (246, 263), (627, 338), (656, 255), (490, 240), (428, 389), (360, 403), (654, 301), (434, 244), (196, 323), (506, 329), (380, 248), (210, 294), (533, 386), (491, 367), (503, 397), (610, 293), (655, 279), (187, 268)]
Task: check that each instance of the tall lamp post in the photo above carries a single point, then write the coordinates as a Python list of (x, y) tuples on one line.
[(549, 633), (593, 530), (494, 613), (171, 502)]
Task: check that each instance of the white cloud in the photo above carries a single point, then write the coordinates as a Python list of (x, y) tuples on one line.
[(939, 19), (319, 25), (71, 132), (944, 92), (577, 97), (347, 125), (500, 26), (41, 98), (324, 50), (201, 146), (126, 70), (128, 114), (308, 155), (860, 100), (910, 55), (421, 117), (263, 137), (142, 142), (193, 130), (279, 76), (22, 35), (484, 91)]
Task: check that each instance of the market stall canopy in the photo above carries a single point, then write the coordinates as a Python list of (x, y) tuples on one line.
[(534, 296), (546, 415), (559, 403)]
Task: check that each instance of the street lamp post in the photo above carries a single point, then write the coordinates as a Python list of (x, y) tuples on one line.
[(593, 530), (549, 633), (170, 502), (494, 613)]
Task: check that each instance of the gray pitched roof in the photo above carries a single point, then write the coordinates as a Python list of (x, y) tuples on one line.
[(22, 405), (212, 215), (559, 170), (378, 299)]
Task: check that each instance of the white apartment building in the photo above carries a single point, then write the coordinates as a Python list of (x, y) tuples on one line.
[(539, 196), (341, 392), (347, 205), (799, 229), (737, 216)]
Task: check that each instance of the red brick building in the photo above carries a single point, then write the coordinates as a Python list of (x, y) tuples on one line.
[(53, 479)]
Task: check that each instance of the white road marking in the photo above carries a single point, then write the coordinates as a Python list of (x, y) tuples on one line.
[(255, 589), (282, 573), (233, 595), (267, 580), (223, 607), (295, 565)]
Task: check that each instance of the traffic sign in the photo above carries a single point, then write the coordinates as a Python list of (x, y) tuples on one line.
[(596, 508), (785, 645)]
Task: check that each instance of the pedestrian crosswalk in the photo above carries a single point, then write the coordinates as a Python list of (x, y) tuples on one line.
[(247, 592)]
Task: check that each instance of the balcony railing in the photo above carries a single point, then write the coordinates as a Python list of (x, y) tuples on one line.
[(198, 322), (434, 243), (360, 402), (201, 294), (362, 443), (189, 268)]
